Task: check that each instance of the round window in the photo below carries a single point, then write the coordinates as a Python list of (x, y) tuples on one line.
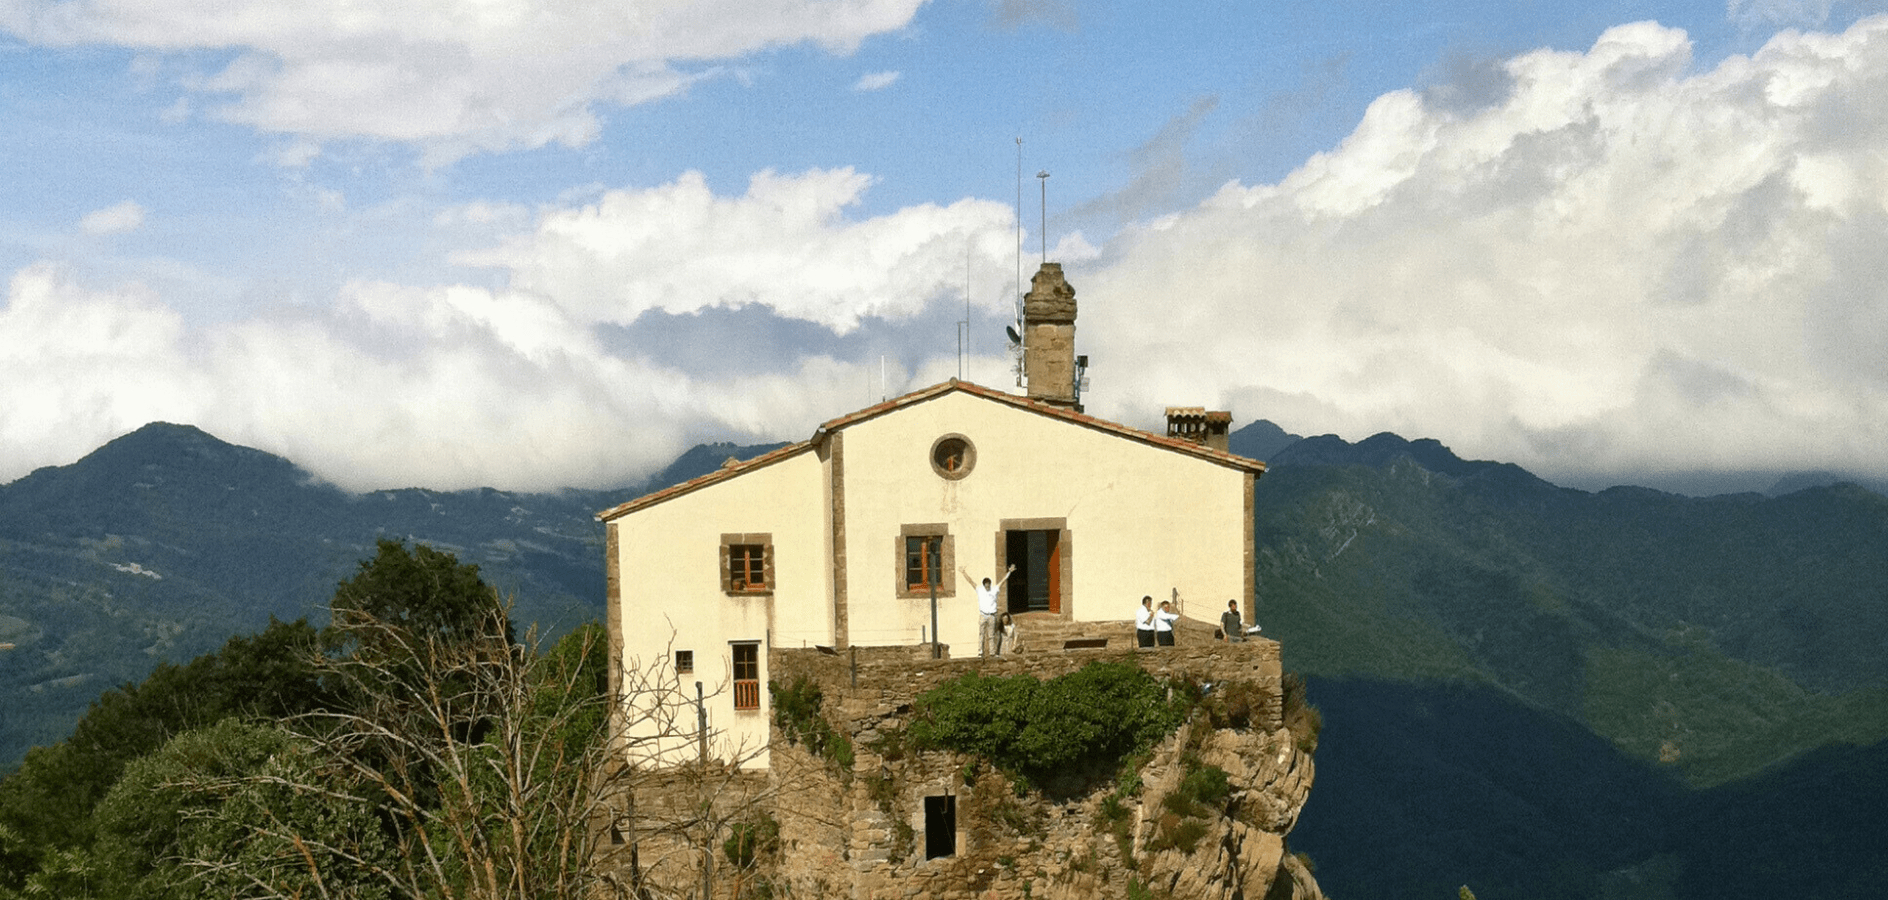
[(953, 457)]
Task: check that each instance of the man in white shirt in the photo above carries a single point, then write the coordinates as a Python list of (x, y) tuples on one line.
[(1164, 617), (989, 639), (1144, 623)]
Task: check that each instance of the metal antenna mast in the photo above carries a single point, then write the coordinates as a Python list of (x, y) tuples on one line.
[(1043, 177), (1018, 335), (963, 328)]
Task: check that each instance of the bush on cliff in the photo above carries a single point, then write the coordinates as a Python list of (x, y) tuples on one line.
[(1087, 720)]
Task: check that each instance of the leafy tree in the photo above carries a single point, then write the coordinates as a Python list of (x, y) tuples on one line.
[(48, 802), (216, 805), (415, 599)]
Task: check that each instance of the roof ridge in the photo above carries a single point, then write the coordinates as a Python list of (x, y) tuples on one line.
[(921, 395)]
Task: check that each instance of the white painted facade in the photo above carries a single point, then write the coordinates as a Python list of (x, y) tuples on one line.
[(1113, 513)]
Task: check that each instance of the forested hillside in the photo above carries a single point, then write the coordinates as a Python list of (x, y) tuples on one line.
[(1711, 635), (164, 543), (1532, 690)]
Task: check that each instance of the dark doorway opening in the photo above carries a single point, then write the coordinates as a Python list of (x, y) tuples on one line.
[(1037, 584), (940, 827)]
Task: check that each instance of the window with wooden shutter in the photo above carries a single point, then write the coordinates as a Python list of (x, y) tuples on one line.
[(747, 563), (924, 552), (746, 675)]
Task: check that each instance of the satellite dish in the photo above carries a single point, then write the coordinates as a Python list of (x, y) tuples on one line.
[(1011, 331)]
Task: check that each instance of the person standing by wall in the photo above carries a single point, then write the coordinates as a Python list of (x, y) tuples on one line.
[(1231, 624), (989, 639), (1164, 617), (1144, 623)]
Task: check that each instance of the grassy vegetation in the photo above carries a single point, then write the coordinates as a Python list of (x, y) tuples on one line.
[(1717, 719), (1200, 797), (797, 715)]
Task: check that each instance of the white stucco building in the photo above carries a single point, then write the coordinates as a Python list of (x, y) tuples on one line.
[(834, 541)]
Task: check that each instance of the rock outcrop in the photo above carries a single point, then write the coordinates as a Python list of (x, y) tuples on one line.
[(1242, 853)]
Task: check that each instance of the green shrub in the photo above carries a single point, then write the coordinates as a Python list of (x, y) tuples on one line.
[(1179, 833), (1301, 718), (797, 715), (1202, 792), (1091, 718), (755, 838)]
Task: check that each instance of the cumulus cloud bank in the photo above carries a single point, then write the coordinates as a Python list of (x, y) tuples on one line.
[(1598, 264), (448, 75), (461, 386), (784, 244), (1613, 266)]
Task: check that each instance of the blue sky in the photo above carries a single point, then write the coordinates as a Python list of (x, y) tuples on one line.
[(534, 244)]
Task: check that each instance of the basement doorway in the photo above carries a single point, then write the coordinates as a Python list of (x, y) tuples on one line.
[(940, 826), (1037, 584)]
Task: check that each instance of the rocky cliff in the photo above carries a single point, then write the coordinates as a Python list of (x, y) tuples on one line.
[(1205, 814)]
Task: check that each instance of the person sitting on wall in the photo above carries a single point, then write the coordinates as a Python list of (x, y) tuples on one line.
[(1005, 634), (989, 640), (1231, 624), (1144, 623), (1164, 617)]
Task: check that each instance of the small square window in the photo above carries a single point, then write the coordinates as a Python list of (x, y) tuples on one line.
[(684, 662), (924, 557), (747, 563), (747, 567)]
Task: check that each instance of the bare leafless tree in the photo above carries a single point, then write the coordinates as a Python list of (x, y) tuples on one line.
[(493, 771)]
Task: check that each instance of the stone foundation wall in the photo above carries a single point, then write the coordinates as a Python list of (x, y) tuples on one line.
[(860, 831), (862, 678)]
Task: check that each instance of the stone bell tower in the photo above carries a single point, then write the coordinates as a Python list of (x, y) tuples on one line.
[(1049, 362)]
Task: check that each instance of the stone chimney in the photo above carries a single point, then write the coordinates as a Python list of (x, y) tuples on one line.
[(1196, 424), (1049, 364)]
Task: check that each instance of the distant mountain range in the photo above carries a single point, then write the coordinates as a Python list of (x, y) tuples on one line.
[(1532, 690), (163, 543)]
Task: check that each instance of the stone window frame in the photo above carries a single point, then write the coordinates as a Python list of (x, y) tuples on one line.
[(1064, 551), (946, 585), (764, 540), (969, 456)]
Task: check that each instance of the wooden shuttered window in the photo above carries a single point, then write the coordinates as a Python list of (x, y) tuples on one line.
[(747, 563), (746, 675)]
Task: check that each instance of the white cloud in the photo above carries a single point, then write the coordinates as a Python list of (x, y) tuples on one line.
[(1791, 13), (785, 245), (1615, 267), (1614, 264), (393, 386), (115, 219), (449, 386), (875, 81), (82, 364), (450, 75)]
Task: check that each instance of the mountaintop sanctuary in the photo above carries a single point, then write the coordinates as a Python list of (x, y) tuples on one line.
[(816, 609)]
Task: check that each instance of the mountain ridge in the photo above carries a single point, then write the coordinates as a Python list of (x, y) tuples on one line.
[(1697, 648)]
